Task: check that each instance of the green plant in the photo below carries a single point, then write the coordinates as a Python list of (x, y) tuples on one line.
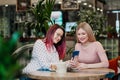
[(111, 31), (68, 53), (96, 20), (41, 13), (8, 64)]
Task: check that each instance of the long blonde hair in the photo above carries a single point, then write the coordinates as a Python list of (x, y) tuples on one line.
[(85, 26)]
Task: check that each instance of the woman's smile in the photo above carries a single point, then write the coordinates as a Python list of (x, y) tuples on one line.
[(82, 36)]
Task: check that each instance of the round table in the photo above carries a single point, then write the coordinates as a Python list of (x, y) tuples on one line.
[(86, 74)]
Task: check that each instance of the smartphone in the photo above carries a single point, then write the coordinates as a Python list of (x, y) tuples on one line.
[(75, 53)]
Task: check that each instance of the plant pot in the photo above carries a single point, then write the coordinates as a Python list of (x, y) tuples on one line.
[(109, 35)]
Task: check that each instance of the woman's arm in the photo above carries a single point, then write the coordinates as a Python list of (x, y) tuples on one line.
[(101, 55), (39, 58)]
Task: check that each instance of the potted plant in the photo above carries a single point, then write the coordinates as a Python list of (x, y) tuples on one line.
[(111, 31), (41, 13)]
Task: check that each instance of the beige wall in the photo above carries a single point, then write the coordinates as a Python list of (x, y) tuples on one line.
[(12, 2)]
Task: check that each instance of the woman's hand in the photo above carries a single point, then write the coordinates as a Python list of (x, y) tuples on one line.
[(53, 67), (82, 66), (79, 66), (74, 62)]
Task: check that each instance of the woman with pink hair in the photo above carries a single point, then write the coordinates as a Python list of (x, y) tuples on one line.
[(47, 51)]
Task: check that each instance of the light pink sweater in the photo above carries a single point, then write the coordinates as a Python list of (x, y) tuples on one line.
[(92, 54)]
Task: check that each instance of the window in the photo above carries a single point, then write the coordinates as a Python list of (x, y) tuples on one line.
[(56, 17), (69, 26)]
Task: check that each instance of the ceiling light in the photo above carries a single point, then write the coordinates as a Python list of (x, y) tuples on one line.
[(6, 5), (84, 3)]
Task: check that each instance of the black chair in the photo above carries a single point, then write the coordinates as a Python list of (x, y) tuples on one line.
[(23, 56)]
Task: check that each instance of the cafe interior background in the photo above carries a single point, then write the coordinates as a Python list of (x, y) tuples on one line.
[(104, 15)]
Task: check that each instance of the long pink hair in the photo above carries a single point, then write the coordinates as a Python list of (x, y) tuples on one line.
[(61, 45)]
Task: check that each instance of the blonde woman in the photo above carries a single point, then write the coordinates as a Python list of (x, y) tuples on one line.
[(91, 52)]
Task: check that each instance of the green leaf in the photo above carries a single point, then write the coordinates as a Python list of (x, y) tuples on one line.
[(42, 12)]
